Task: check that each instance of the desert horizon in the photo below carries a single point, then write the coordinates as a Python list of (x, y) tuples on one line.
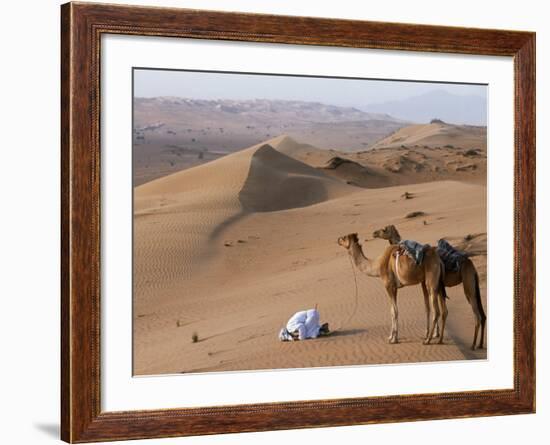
[(239, 210)]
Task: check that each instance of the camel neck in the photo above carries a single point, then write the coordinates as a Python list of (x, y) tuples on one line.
[(361, 261), (395, 240)]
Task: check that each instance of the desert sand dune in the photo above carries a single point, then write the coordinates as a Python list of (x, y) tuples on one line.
[(278, 182), (229, 250), (355, 173), (382, 167), (178, 218), (172, 133), (437, 134)]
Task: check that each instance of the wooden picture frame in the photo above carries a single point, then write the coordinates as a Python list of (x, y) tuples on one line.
[(82, 26)]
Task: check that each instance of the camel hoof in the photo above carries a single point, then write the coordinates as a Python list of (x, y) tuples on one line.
[(440, 342), (426, 341), (393, 341)]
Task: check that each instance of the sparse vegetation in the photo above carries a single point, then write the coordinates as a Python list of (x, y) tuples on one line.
[(449, 146), (436, 121), (407, 195), (195, 337), (467, 167), (336, 162), (415, 214)]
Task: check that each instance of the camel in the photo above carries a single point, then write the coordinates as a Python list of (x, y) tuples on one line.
[(467, 275), (396, 271)]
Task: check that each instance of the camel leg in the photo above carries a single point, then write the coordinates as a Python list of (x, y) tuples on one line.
[(482, 321), (392, 293), (482, 337), (471, 291), (435, 314), (427, 306), (444, 313), (476, 330)]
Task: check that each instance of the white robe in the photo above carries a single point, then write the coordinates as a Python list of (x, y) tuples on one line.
[(305, 323)]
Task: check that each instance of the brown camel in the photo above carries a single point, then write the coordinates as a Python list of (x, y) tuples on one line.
[(396, 271), (467, 275)]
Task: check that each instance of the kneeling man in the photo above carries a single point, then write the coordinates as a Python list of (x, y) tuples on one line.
[(303, 325)]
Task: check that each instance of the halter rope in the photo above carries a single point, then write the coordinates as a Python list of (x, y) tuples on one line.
[(356, 298)]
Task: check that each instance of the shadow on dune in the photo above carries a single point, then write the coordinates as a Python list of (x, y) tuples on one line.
[(226, 223), (277, 182)]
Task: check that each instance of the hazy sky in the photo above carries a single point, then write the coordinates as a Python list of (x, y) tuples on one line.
[(342, 92)]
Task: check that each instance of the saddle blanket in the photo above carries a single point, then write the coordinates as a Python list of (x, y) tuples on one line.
[(451, 257), (414, 250)]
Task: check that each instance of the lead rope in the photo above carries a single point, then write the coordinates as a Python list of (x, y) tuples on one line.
[(352, 314)]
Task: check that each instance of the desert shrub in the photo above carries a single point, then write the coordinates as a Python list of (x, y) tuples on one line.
[(414, 214)]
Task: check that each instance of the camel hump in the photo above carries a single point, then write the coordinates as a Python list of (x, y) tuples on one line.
[(451, 257), (414, 250)]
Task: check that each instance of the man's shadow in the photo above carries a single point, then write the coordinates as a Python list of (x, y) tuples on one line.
[(347, 332)]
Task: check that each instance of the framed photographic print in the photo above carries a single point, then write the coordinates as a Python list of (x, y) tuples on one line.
[(276, 222)]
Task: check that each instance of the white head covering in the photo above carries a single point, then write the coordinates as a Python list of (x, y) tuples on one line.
[(284, 335)]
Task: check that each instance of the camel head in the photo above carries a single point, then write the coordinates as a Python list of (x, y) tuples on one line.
[(388, 233), (346, 240)]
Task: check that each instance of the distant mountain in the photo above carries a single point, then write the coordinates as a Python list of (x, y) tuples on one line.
[(256, 110), (172, 133), (440, 104)]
